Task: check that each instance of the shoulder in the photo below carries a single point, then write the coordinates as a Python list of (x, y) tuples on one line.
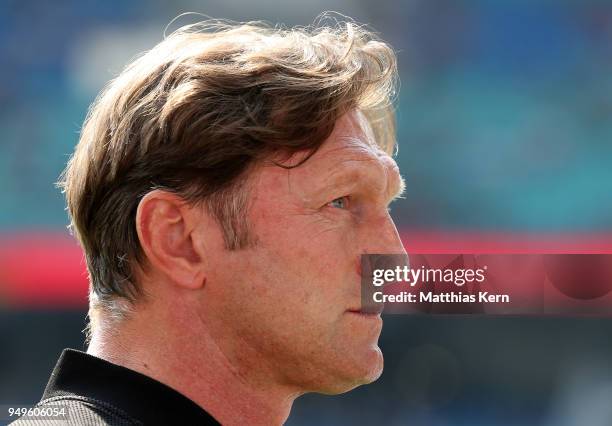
[(79, 411)]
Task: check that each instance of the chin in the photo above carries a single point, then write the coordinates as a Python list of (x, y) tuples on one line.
[(375, 366), (362, 370)]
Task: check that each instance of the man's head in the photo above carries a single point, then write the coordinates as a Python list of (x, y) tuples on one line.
[(240, 171)]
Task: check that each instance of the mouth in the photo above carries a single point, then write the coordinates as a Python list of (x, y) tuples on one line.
[(373, 311), (367, 315), (373, 308)]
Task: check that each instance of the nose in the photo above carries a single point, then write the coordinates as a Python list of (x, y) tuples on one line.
[(383, 238)]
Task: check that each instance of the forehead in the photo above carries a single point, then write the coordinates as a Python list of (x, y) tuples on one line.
[(349, 156), (348, 161), (351, 139)]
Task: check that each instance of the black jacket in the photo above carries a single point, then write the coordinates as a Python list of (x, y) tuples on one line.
[(96, 392)]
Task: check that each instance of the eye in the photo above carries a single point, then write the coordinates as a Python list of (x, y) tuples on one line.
[(339, 203)]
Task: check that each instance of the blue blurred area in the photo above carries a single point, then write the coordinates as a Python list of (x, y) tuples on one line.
[(503, 109), (504, 116)]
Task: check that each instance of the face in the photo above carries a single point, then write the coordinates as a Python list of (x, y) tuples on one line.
[(291, 303)]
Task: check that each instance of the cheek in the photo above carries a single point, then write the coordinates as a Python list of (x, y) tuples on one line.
[(315, 262), (303, 265), (294, 278), (312, 239), (274, 306)]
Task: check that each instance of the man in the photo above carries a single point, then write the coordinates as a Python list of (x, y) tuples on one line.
[(223, 190)]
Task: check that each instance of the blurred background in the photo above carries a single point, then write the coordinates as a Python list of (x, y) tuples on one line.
[(505, 135)]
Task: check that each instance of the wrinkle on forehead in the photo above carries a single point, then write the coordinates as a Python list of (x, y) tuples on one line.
[(353, 149), (353, 133), (355, 122), (364, 149), (352, 146)]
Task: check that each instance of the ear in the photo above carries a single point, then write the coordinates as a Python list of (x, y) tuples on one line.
[(165, 223)]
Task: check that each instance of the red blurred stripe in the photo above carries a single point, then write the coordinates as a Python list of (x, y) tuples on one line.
[(42, 270), (47, 269)]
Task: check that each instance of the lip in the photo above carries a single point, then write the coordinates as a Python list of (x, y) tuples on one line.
[(372, 309), (361, 313)]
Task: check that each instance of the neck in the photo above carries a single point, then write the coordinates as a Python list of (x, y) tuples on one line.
[(195, 365)]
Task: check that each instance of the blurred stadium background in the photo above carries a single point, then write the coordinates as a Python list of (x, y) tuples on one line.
[(505, 133)]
